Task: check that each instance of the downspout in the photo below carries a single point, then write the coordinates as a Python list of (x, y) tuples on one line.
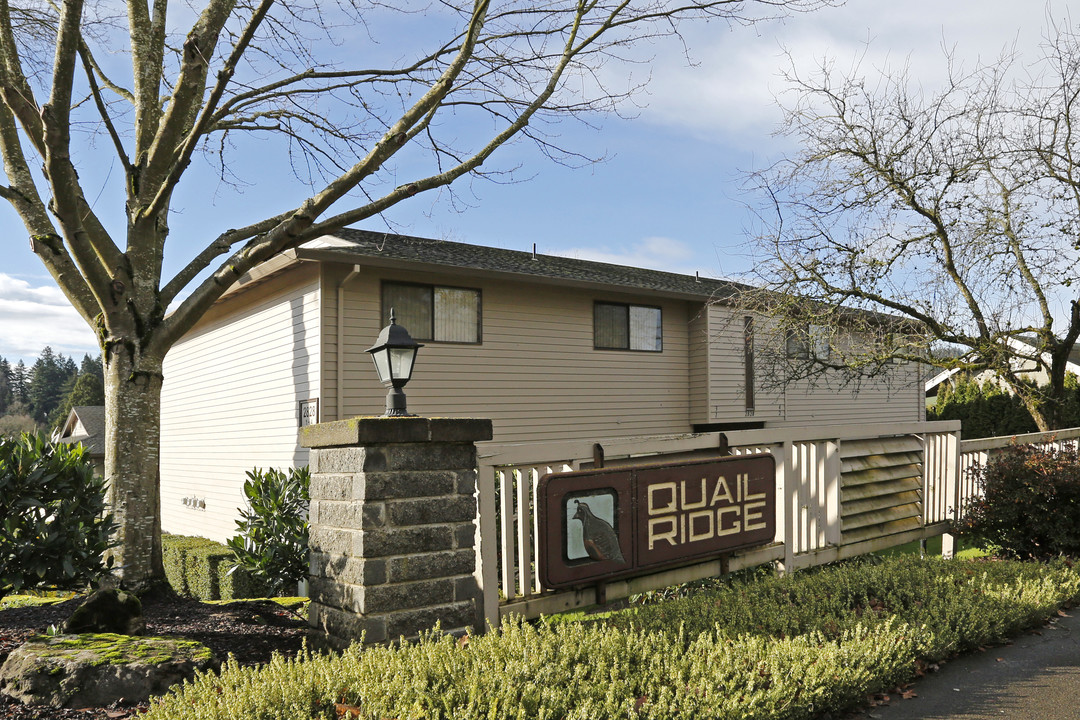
[(339, 382)]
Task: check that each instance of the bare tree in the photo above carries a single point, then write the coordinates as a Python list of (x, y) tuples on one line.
[(499, 72), (955, 212)]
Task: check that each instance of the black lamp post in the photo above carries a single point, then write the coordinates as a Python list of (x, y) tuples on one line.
[(394, 353)]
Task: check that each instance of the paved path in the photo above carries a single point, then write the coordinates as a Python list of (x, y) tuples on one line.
[(1035, 678)]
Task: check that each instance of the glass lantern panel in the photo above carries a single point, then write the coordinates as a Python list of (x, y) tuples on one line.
[(382, 364), (401, 362)]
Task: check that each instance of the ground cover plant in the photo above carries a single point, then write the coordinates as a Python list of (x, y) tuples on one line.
[(760, 647)]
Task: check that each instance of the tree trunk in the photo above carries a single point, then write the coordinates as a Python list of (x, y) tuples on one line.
[(1042, 411), (132, 448)]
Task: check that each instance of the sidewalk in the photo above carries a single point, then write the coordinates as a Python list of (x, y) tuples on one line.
[(1035, 678)]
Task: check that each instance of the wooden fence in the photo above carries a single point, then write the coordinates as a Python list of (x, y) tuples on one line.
[(976, 453), (841, 491)]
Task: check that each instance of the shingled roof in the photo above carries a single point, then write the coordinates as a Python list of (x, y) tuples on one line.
[(361, 245), (92, 420)]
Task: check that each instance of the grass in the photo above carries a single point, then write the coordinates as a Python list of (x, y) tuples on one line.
[(35, 599), (964, 550)]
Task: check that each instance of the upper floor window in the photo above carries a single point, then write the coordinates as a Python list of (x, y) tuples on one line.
[(810, 342), (618, 326), (433, 312)]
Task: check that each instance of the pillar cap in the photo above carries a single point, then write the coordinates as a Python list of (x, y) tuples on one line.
[(383, 430)]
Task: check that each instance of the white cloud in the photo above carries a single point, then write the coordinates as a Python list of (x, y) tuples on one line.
[(33, 316), (730, 95), (654, 253)]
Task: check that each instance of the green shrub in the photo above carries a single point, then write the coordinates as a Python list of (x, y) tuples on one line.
[(198, 567), (54, 530), (983, 409), (1030, 504), (272, 544), (793, 647)]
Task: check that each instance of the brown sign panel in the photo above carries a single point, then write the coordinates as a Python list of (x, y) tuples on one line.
[(601, 524)]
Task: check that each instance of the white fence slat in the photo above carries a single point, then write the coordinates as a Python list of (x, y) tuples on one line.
[(524, 537), (832, 494), (487, 553), (508, 535)]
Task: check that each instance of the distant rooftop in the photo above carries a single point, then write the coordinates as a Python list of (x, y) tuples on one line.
[(350, 245), (92, 419)]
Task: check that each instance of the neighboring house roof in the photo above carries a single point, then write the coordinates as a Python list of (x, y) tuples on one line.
[(85, 424), (1073, 365), (389, 250)]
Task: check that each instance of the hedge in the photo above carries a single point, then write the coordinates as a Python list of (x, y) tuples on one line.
[(197, 567)]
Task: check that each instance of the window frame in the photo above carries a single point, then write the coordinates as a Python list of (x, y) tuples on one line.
[(384, 310), (628, 347), (810, 342)]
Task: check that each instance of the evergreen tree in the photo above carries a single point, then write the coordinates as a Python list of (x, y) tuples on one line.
[(6, 394), (88, 389), (92, 365), (20, 383), (51, 373), (984, 409)]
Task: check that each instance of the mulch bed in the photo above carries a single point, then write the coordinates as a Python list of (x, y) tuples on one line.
[(251, 631)]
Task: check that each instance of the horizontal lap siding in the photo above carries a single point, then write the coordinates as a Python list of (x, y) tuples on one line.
[(727, 372), (699, 366), (897, 399), (230, 397), (536, 374)]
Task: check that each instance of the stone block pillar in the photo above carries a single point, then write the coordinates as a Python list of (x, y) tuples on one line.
[(393, 511)]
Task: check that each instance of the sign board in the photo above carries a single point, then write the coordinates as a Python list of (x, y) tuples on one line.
[(596, 525), (307, 412)]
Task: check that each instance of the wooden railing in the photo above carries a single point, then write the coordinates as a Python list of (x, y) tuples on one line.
[(977, 453), (841, 491)]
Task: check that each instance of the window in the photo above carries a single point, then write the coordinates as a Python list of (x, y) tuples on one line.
[(627, 327), (809, 344), (748, 364), (430, 312)]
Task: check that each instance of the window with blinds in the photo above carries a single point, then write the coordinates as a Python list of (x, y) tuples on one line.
[(618, 326), (435, 313)]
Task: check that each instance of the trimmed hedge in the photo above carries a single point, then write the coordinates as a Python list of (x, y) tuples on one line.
[(779, 648), (197, 567)]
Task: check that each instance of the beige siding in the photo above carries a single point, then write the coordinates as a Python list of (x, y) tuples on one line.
[(727, 373), (229, 401), (699, 365), (897, 398), (536, 374)]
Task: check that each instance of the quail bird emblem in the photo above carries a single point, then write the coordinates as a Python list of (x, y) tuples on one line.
[(599, 538)]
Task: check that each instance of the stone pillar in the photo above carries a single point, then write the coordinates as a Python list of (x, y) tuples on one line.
[(393, 512)]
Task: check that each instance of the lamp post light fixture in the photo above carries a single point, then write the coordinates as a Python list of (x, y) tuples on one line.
[(394, 353)]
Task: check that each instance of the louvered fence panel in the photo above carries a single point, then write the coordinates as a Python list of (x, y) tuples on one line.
[(881, 487)]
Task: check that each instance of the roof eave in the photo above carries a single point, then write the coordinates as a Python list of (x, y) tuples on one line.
[(344, 257)]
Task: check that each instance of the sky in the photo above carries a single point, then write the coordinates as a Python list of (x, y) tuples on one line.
[(668, 194)]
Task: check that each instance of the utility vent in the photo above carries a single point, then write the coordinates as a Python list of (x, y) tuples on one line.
[(881, 481)]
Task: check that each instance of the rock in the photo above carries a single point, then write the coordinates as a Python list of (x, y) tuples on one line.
[(99, 669), (107, 611)]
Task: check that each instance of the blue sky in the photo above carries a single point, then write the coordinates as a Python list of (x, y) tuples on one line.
[(668, 194)]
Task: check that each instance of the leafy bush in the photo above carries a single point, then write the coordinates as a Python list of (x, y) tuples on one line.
[(798, 646), (54, 530), (273, 541), (1030, 504), (201, 568)]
